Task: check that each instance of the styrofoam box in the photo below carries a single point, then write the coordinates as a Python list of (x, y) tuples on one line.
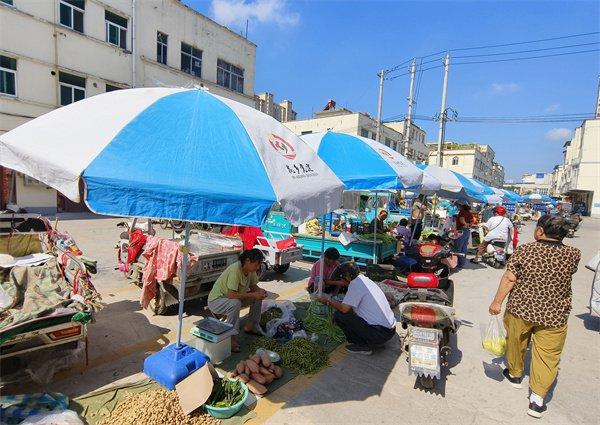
[(217, 351)]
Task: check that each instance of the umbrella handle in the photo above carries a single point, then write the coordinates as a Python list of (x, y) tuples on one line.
[(183, 273)]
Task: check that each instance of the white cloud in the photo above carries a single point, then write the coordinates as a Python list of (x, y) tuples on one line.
[(236, 12), (552, 108), (505, 88), (559, 134)]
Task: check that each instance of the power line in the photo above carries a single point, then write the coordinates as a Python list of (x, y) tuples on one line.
[(527, 51), (527, 57)]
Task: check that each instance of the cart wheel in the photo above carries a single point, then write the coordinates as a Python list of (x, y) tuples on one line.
[(281, 268), (158, 304)]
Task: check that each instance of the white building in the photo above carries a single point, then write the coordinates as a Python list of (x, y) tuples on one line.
[(471, 160), (55, 52), (355, 123), (577, 179), (540, 183), (282, 112), (417, 149)]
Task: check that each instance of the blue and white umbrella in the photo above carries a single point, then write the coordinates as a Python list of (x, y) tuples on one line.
[(364, 164), (456, 186), (173, 153), (536, 198), (512, 196)]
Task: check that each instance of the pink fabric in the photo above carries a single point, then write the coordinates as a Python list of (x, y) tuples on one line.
[(316, 268), (163, 259)]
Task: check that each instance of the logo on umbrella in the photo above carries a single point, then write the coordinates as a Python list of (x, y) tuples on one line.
[(282, 147), (386, 153)]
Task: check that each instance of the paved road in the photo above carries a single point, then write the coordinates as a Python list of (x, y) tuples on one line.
[(353, 390)]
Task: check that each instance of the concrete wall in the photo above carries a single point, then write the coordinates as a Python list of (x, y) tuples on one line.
[(589, 165), (36, 197)]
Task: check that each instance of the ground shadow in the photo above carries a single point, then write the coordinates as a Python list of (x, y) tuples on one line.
[(112, 353), (591, 323)]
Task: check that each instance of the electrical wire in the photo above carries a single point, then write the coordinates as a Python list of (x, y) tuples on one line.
[(527, 51), (527, 57)]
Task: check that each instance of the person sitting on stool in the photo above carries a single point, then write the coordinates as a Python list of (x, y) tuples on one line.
[(365, 315)]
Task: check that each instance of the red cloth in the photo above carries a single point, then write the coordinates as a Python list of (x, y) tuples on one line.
[(467, 216), (137, 240), (515, 240), (248, 235)]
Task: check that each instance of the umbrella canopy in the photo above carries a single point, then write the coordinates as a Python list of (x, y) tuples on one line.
[(364, 164), (511, 196), (454, 185), (536, 198), (173, 153)]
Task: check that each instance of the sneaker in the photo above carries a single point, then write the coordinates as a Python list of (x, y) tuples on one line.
[(358, 349), (515, 382), (536, 410)]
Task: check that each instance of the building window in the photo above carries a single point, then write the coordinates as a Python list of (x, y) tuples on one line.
[(455, 160), (230, 76), (112, 88), (71, 14), (9, 2), (191, 60), (72, 88), (116, 29), (388, 142), (302, 133), (161, 47), (8, 75), (364, 133)]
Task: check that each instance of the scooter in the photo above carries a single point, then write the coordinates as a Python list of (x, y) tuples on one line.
[(129, 247), (427, 314), (573, 223), (495, 254)]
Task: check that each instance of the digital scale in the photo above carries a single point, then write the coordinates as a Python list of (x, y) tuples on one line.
[(211, 329)]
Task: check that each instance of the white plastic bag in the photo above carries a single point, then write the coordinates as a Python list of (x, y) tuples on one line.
[(54, 417), (287, 314), (494, 336)]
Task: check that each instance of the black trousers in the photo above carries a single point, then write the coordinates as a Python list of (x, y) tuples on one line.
[(359, 332), (417, 227)]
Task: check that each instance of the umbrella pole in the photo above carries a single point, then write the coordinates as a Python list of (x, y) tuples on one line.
[(322, 258), (375, 232), (184, 265)]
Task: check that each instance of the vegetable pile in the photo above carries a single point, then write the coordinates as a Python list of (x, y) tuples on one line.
[(225, 393), (270, 314), (322, 324), (384, 237), (154, 407), (256, 372), (303, 356), (264, 342)]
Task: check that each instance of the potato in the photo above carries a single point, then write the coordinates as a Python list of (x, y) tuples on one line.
[(265, 372), (277, 371), (258, 378), (243, 377), (240, 367), (252, 366), (255, 358), (265, 360), (269, 378), (256, 388)]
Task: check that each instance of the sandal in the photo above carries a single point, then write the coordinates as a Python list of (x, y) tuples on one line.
[(474, 261)]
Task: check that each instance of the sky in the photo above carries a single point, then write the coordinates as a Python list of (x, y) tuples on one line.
[(310, 51)]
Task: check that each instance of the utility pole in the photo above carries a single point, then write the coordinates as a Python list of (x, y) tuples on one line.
[(379, 105), (408, 121), (442, 129)]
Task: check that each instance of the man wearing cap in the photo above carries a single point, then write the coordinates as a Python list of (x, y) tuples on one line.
[(499, 228)]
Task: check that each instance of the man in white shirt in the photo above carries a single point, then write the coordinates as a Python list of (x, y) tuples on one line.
[(365, 315), (499, 227)]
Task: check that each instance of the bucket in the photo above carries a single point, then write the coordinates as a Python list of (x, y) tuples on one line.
[(227, 412)]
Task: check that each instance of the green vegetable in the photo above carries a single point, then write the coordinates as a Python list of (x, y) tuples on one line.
[(225, 393), (264, 342), (322, 324), (270, 314), (303, 356)]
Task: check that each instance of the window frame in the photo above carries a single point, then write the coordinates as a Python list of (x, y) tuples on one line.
[(108, 23), (164, 46), (6, 2), (191, 57), (72, 13), (73, 87), (229, 71), (455, 160), (10, 71)]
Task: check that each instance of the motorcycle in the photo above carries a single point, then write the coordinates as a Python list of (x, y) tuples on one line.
[(427, 314), (129, 247), (573, 223), (496, 252)]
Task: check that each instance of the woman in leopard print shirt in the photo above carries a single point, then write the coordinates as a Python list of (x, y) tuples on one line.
[(538, 284)]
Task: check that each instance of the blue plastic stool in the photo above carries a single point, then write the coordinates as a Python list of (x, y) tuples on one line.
[(174, 363)]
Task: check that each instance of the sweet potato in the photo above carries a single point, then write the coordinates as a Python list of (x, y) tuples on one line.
[(265, 360), (256, 388), (240, 367), (255, 358), (232, 374), (265, 372), (252, 366), (246, 370), (277, 371), (243, 377), (258, 378)]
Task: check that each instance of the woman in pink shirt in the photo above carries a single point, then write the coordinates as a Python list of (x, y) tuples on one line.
[(331, 257)]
